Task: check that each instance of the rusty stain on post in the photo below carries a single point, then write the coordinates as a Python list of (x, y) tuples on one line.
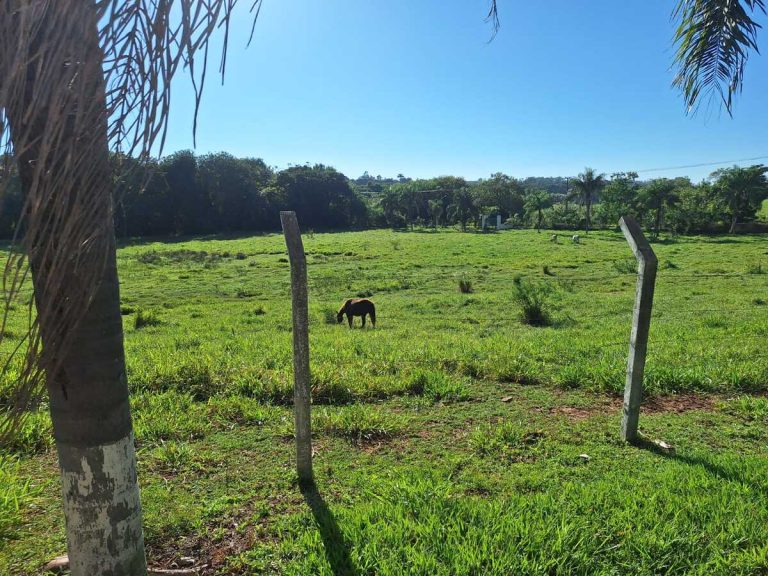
[(301, 375), (641, 323)]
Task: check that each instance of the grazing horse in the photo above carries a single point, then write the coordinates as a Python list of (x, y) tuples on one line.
[(554, 238), (357, 307), (576, 239)]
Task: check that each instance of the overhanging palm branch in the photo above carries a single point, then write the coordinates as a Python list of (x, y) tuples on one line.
[(714, 39), (46, 102)]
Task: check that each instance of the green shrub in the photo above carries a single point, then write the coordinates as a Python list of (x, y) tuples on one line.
[(465, 285), (146, 318), (533, 300)]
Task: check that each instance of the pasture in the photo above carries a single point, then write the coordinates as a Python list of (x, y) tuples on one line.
[(453, 438)]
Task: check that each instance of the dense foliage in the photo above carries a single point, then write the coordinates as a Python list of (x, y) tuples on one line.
[(185, 194)]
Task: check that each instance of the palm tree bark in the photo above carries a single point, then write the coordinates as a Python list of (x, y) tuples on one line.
[(86, 379)]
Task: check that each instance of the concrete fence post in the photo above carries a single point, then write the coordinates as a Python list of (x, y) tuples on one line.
[(641, 323), (301, 375)]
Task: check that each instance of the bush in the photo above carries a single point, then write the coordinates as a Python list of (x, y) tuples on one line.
[(533, 301), (145, 318)]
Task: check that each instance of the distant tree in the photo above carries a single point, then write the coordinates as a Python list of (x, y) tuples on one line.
[(586, 187), (321, 196), (656, 196), (618, 198), (189, 201), (535, 203), (233, 188), (697, 208), (463, 209), (742, 190), (502, 193), (435, 211)]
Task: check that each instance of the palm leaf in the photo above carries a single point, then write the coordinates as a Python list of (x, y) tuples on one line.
[(714, 39)]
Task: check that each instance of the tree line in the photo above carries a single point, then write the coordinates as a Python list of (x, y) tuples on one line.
[(731, 196), (187, 194)]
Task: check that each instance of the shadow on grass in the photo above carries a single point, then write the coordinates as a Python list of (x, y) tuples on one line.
[(722, 472), (336, 548)]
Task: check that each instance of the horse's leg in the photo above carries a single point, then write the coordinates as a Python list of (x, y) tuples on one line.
[(349, 319), (363, 320), (372, 314)]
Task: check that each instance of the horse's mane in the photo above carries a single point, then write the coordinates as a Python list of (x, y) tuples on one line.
[(344, 306)]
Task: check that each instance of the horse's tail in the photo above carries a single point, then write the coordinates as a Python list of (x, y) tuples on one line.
[(373, 314)]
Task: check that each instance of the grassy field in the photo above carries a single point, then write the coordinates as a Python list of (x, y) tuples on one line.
[(453, 438)]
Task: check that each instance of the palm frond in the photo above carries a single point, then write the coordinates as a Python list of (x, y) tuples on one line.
[(714, 39), (493, 18), (63, 107)]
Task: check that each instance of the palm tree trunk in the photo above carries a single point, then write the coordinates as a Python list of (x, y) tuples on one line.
[(86, 380), (733, 224)]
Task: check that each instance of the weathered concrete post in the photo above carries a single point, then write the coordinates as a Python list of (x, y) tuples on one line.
[(301, 389), (641, 323), (498, 221)]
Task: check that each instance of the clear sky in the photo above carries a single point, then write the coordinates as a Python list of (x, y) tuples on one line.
[(414, 87)]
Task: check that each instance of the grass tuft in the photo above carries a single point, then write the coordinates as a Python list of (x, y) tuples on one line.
[(146, 318), (533, 300)]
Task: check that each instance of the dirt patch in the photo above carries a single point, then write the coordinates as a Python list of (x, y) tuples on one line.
[(675, 404), (577, 413), (679, 403), (213, 546)]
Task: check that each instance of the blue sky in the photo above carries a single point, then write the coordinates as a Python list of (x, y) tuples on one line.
[(414, 87)]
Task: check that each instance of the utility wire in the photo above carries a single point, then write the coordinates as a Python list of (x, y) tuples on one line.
[(701, 164)]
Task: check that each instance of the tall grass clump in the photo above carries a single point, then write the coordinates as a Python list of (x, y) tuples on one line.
[(358, 423), (626, 266), (438, 386), (533, 300), (465, 285), (15, 492), (145, 318)]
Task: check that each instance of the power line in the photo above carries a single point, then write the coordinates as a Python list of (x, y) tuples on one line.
[(703, 164)]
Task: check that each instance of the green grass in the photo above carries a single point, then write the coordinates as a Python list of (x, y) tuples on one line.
[(421, 467)]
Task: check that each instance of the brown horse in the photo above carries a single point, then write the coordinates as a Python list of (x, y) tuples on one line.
[(357, 307)]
